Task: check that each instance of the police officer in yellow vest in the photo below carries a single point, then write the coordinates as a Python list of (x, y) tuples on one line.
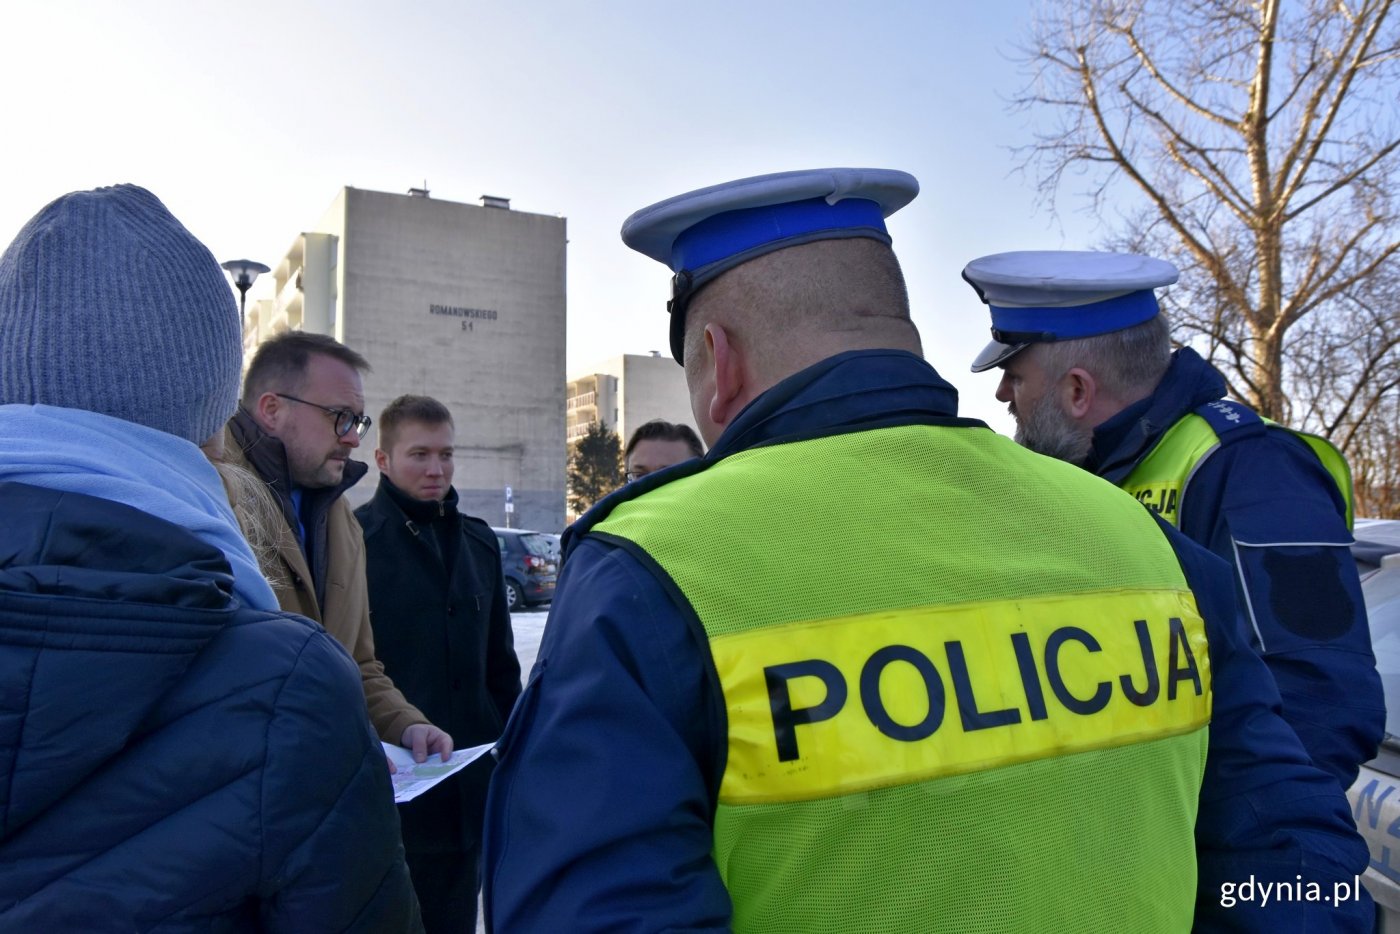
[(869, 666), (1089, 373)]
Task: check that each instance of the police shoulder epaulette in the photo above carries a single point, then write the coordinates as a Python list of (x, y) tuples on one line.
[(1231, 421)]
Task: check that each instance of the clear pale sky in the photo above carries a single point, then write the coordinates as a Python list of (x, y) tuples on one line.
[(246, 118)]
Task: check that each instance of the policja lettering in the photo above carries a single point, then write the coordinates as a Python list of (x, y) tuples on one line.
[(1181, 667), (1159, 499), (1028, 680)]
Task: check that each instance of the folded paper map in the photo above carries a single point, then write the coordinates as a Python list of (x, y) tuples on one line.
[(414, 778)]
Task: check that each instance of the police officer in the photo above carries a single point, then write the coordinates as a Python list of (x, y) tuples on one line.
[(868, 666), (1089, 373)]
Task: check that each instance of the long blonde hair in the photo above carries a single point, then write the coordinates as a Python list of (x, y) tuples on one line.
[(256, 510)]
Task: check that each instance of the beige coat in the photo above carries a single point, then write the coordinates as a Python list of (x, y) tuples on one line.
[(346, 612)]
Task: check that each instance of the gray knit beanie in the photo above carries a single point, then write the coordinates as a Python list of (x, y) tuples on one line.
[(108, 304)]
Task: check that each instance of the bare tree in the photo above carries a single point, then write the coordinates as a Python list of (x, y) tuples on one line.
[(1348, 367), (1256, 144)]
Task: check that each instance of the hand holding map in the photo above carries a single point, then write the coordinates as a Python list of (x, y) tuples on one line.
[(414, 778)]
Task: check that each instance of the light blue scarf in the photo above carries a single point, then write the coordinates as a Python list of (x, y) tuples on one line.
[(74, 451)]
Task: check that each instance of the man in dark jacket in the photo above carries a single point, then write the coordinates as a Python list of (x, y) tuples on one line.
[(442, 628), (175, 754), (1090, 375)]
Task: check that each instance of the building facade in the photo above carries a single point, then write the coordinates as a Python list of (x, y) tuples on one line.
[(465, 303), (625, 392), (590, 398)]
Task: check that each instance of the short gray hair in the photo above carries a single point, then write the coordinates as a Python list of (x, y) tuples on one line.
[(1125, 363)]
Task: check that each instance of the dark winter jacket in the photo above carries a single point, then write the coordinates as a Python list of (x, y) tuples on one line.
[(442, 631), (1264, 503), (169, 760)]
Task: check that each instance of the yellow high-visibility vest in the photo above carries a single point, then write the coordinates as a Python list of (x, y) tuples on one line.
[(966, 688), (1160, 479)]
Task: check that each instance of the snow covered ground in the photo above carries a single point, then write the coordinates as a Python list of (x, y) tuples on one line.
[(528, 626)]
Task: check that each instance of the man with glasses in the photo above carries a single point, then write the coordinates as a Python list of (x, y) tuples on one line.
[(300, 418), (659, 444)]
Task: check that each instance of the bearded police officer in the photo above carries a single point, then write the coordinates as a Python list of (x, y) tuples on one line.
[(1089, 373), (868, 666)]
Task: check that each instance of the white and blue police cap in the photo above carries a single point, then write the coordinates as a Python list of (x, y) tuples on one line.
[(1038, 296), (704, 233)]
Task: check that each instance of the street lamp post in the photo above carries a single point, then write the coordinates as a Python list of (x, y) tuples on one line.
[(244, 271)]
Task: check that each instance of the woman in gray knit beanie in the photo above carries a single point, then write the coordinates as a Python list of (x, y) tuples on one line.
[(191, 758), (120, 351), (107, 303)]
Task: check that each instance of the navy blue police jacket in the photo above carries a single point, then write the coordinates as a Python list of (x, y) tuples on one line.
[(1264, 503), (601, 807), (169, 759)]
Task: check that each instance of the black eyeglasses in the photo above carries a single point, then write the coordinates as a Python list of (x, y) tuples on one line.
[(346, 421)]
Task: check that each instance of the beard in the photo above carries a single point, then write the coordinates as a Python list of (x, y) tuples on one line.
[(1044, 428)]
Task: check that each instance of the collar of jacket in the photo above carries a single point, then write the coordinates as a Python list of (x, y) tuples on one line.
[(848, 391), (854, 390), (417, 510), (268, 458), (72, 545), (1126, 438)]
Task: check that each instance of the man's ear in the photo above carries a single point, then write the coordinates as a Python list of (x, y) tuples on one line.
[(381, 460), (1079, 392), (267, 411), (729, 381)]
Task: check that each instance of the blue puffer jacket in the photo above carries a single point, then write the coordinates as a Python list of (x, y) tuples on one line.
[(171, 761)]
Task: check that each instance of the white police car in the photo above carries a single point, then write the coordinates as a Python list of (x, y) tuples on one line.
[(1375, 797)]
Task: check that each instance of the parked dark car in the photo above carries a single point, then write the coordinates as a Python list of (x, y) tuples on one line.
[(1375, 796), (530, 565), (553, 544)]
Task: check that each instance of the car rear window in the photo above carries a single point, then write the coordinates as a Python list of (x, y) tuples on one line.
[(537, 544)]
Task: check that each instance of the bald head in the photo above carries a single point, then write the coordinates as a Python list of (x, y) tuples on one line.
[(784, 311), (791, 308)]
